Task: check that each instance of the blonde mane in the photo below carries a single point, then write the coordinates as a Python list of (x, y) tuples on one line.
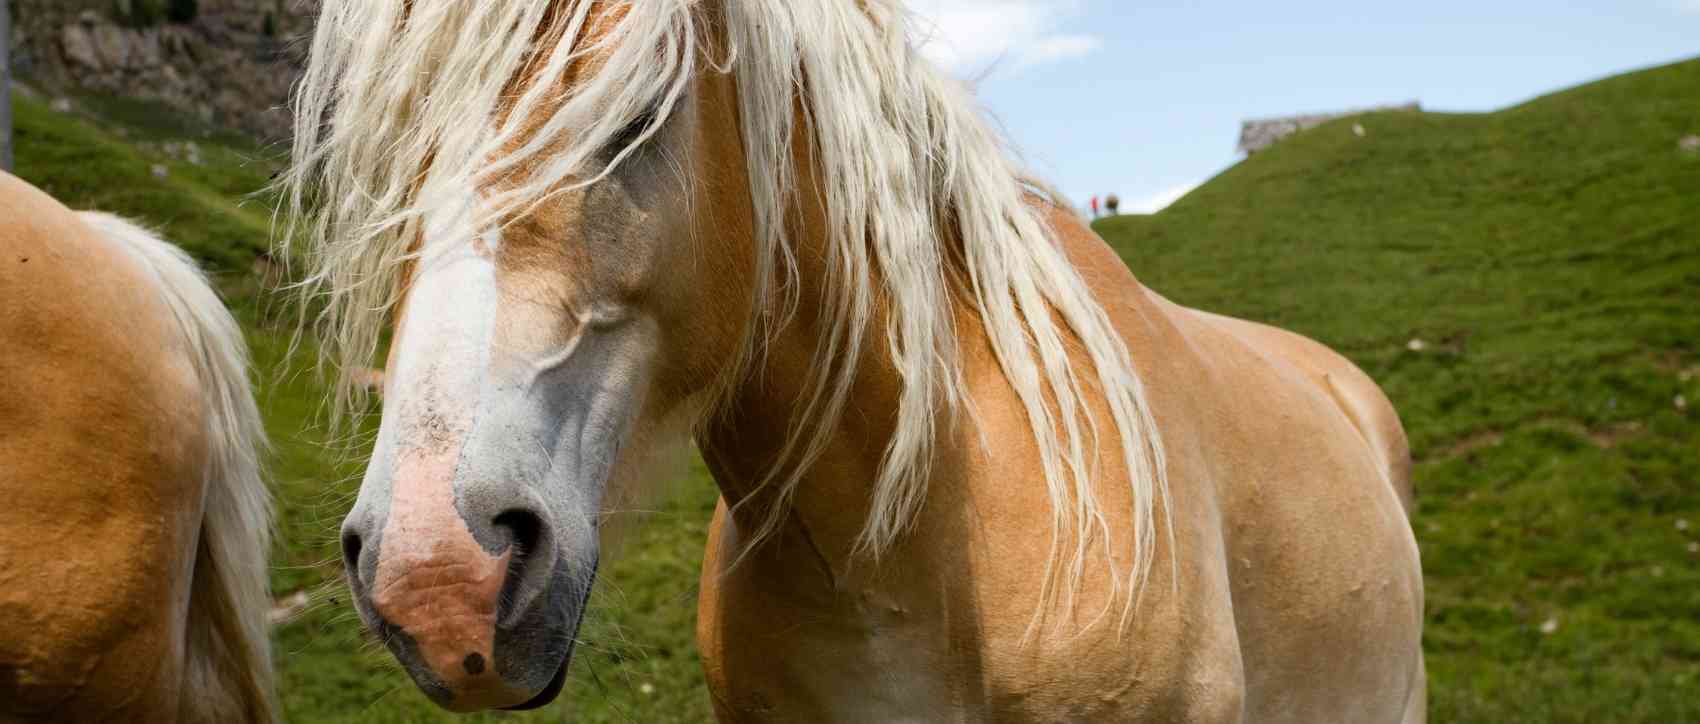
[(925, 205), (228, 666)]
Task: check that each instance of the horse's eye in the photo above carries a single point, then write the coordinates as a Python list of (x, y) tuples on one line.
[(632, 131)]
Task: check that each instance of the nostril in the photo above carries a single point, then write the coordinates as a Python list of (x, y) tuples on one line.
[(351, 554), (525, 534), (524, 531)]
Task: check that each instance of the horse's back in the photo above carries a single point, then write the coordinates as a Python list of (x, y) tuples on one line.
[(102, 446), (1359, 398)]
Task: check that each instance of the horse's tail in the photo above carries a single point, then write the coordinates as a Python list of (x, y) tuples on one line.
[(228, 659)]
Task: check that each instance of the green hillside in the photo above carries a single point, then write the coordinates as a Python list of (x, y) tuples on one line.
[(1548, 259), (1546, 256)]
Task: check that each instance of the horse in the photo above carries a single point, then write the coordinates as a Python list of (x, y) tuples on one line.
[(970, 468), (135, 531)]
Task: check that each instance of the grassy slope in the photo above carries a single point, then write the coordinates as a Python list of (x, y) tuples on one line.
[(1546, 254), (1549, 256)]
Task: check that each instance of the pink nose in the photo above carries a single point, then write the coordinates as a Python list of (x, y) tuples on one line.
[(438, 585), (446, 601)]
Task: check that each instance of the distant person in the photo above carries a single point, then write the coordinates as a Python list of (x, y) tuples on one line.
[(1114, 204), (1094, 205)]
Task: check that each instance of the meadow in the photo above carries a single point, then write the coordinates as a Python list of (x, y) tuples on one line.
[(1525, 285)]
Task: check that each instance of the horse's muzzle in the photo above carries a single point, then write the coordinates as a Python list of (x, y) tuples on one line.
[(475, 629)]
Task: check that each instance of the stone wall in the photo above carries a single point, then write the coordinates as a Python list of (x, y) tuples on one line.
[(233, 65), (1258, 134)]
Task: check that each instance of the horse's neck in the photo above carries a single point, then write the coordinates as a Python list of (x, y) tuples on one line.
[(748, 438), (833, 500)]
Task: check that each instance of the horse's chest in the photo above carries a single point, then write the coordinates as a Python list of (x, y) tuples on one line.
[(876, 661), (870, 661)]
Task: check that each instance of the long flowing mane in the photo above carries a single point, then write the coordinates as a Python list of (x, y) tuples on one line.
[(228, 663), (408, 102)]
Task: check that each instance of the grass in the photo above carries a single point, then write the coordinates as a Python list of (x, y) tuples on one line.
[(1547, 256)]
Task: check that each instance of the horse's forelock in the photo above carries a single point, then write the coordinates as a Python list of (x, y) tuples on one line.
[(407, 102)]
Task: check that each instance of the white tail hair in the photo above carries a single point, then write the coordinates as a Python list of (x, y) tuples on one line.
[(406, 101), (228, 675)]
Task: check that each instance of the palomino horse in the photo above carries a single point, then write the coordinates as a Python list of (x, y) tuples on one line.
[(135, 526), (971, 469)]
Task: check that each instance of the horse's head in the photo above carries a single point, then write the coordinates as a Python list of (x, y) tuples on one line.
[(557, 201), (539, 352)]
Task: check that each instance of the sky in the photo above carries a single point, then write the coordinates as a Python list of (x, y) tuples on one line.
[(1144, 99)]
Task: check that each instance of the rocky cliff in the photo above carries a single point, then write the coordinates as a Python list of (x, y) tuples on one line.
[(230, 62)]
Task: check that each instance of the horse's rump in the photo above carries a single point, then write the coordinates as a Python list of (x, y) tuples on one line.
[(133, 579), (1359, 398)]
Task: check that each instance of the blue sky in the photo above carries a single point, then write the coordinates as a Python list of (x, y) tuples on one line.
[(1144, 99)]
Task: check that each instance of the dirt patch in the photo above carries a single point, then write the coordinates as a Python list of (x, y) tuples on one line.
[(1678, 364), (1605, 438), (1469, 444), (288, 608), (1611, 436), (268, 271), (370, 379)]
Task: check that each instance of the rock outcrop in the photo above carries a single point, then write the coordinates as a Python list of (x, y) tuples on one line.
[(1258, 134), (233, 63)]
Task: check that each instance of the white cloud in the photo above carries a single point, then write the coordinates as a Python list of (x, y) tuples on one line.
[(1061, 47), (967, 37), (1160, 200)]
